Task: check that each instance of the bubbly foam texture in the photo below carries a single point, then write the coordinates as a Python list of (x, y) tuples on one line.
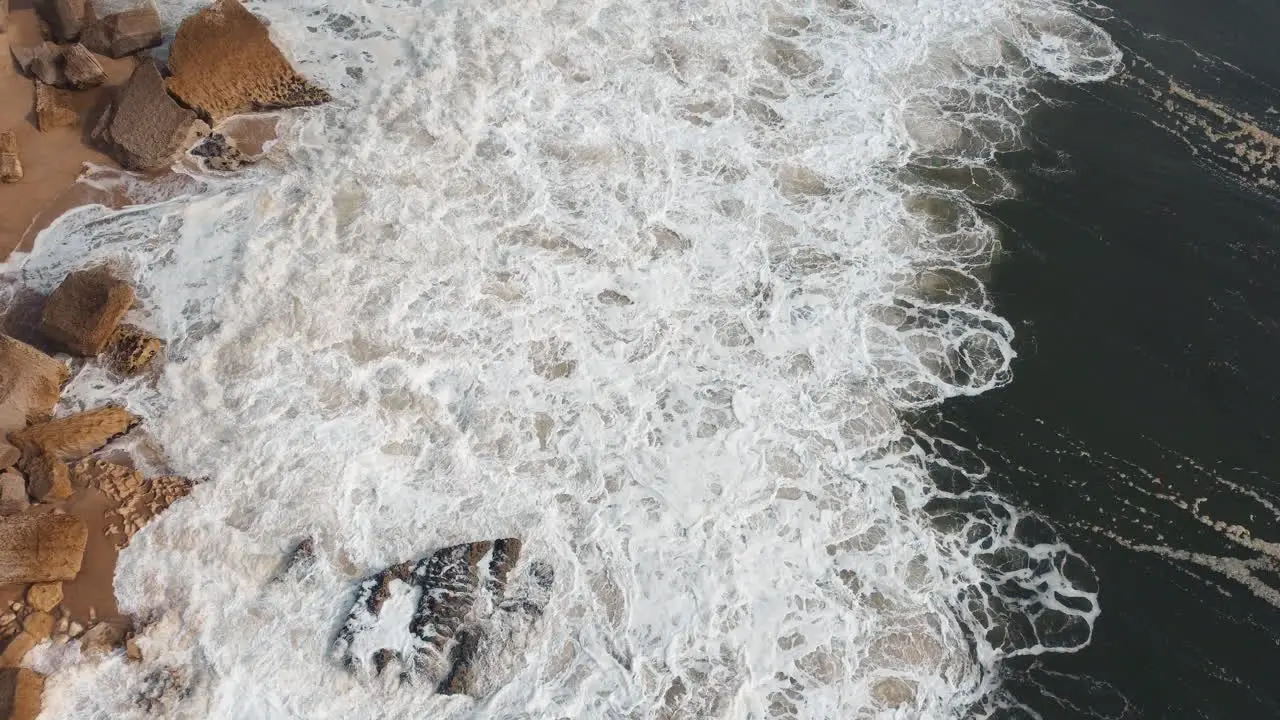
[(647, 285)]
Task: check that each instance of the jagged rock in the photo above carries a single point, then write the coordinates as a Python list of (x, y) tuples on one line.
[(84, 311), (10, 165), (300, 559), (44, 597), (148, 127), (65, 17), (131, 349), (102, 638), (41, 547), (30, 383), (138, 501), (163, 690), (81, 69), (442, 599), (38, 625), (223, 62), (219, 153), (124, 33), (43, 62), (13, 493), (48, 478), (74, 436), (53, 108), (20, 693)]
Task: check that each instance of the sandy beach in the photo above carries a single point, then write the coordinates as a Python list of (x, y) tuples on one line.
[(51, 160)]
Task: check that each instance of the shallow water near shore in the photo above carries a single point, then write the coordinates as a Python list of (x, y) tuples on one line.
[(649, 287)]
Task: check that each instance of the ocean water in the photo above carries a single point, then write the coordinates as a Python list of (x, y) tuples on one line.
[(647, 285)]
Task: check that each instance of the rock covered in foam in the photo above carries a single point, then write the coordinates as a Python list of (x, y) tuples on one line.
[(124, 32), (41, 547), (147, 127), (131, 349), (10, 165), (20, 693), (84, 311), (219, 153), (53, 108), (223, 63), (74, 436), (30, 383), (455, 593)]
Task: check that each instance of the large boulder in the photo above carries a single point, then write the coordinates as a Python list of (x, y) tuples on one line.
[(30, 383), (10, 165), (223, 62), (146, 127), (74, 436), (41, 547), (84, 311), (20, 693), (432, 617), (125, 32), (65, 17), (53, 108)]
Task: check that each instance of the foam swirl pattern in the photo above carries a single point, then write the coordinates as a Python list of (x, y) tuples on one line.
[(648, 285)]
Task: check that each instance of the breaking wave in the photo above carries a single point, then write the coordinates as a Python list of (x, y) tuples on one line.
[(647, 285)]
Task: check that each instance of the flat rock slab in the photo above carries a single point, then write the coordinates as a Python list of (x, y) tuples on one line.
[(74, 436), (224, 63), (44, 547)]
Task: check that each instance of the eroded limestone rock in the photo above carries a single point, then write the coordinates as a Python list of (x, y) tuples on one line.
[(74, 436), (131, 349), (10, 164), (223, 63), (53, 108), (41, 547), (30, 383), (125, 32), (147, 127)]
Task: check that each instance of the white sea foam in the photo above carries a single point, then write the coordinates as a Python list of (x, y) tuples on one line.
[(647, 285)]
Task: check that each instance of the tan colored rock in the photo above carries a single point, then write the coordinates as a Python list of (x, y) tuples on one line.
[(84, 311), (38, 625), (102, 638), (124, 33), (74, 436), (20, 693), (148, 127), (65, 17), (81, 69), (223, 62), (4, 15), (117, 481), (9, 455), (10, 165), (48, 478), (44, 597), (41, 547), (53, 108), (30, 383), (17, 649), (13, 493), (132, 349)]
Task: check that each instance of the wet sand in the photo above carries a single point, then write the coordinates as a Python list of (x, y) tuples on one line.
[(51, 160)]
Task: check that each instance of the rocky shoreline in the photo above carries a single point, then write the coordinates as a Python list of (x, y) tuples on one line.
[(69, 498)]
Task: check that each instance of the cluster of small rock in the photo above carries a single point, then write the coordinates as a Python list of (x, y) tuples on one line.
[(221, 63), (45, 460)]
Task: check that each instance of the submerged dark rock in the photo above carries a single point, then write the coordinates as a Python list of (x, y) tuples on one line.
[(458, 593)]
